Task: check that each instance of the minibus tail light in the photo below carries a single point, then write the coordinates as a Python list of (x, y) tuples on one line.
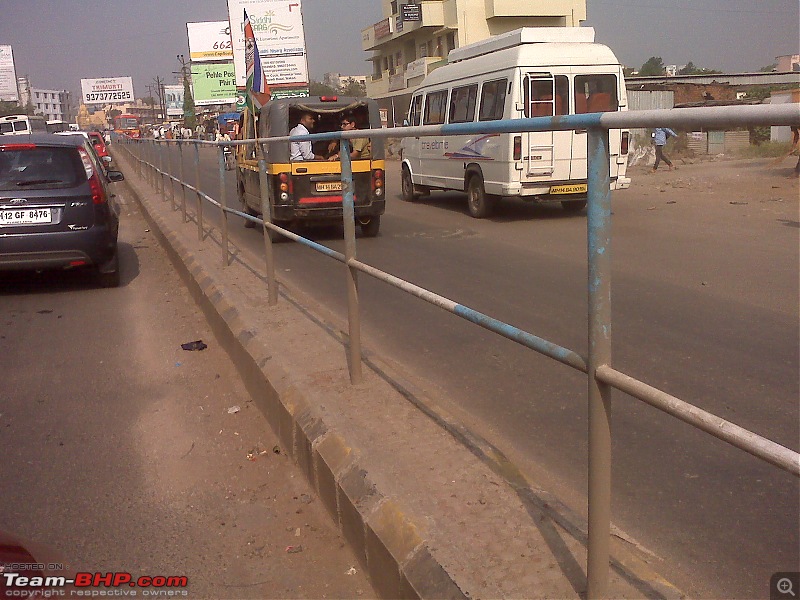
[(624, 147), (517, 147)]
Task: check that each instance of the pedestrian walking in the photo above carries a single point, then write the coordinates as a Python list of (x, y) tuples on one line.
[(660, 137)]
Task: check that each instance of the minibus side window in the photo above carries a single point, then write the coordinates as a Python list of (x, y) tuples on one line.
[(435, 108), (414, 112), (462, 104), (540, 104), (493, 100), (595, 93)]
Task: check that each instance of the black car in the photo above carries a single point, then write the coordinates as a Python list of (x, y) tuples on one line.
[(56, 211)]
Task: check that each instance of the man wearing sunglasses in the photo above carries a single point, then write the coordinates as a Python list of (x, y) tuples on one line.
[(361, 147)]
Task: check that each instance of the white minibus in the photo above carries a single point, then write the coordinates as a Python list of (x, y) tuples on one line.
[(22, 124), (528, 72)]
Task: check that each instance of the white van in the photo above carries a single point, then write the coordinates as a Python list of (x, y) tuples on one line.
[(528, 72), (22, 124)]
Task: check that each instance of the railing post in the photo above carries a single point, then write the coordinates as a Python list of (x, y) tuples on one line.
[(599, 255), (223, 204), (197, 187), (160, 171), (183, 181), (266, 216), (169, 176), (349, 216)]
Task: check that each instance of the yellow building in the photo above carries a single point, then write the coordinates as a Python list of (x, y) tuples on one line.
[(413, 39)]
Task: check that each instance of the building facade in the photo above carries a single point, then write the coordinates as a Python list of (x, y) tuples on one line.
[(338, 81), (414, 38), (53, 105)]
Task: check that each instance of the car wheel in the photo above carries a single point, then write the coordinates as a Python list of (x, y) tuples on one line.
[(110, 278), (480, 204), (407, 185), (574, 205), (370, 228)]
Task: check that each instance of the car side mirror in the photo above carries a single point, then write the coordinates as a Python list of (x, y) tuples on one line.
[(115, 176)]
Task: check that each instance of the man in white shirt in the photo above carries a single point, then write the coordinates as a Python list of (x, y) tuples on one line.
[(302, 150)]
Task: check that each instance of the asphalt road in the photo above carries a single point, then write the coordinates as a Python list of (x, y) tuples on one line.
[(120, 451), (705, 289)]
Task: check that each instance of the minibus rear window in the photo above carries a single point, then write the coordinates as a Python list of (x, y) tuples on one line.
[(596, 93), (538, 96)]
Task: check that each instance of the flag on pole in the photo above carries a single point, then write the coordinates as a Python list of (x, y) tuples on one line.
[(257, 88)]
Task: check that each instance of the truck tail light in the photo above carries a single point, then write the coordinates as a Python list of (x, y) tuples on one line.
[(517, 147), (624, 146)]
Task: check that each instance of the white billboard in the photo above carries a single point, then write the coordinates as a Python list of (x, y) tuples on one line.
[(278, 29), (8, 76), (209, 41), (108, 90), (173, 96)]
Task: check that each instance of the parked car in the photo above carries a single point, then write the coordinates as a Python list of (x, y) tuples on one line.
[(100, 146), (56, 209)]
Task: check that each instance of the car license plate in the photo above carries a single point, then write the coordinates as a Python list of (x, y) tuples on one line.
[(24, 216), (578, 188), (329, 186)]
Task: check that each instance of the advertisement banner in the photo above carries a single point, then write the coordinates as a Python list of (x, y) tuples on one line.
[(108, 90), (214, 84), (8, 76), (278, 29), (173, 94), (209, 41)]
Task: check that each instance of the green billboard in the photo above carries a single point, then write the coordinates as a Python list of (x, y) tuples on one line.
[(214, 83)]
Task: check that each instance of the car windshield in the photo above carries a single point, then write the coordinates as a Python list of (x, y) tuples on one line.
[(27, 167)]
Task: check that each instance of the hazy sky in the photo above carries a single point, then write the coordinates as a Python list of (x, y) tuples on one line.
[(58, 42)]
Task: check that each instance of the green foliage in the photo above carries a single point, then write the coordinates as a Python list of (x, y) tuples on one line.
[(10, 108), (189, 117), (315, 88), (765, 150), (114, 113), (354, 88), (768, 68), (691, 69), (653, 67)]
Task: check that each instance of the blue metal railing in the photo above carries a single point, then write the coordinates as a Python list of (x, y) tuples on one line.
[(601, 376)]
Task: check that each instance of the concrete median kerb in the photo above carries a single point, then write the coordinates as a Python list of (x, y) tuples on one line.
[(424, 516)]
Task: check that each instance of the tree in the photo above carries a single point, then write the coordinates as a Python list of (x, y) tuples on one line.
[(315, 88), (354, 87), (114, 113), (691, 69), (769, 68), (653, 67), (9, 108), (189, 117)]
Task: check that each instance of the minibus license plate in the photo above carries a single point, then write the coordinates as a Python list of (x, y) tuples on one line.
[(578, 188), (329, 186), (24, 216)]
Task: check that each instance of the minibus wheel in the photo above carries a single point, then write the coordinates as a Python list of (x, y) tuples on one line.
[(407, 185), (480, 204)]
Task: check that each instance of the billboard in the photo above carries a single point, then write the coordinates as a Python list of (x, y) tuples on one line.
[(8, 76), (209, 41), (278, 28), (107, 90), (173, 94), (213, 83)]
